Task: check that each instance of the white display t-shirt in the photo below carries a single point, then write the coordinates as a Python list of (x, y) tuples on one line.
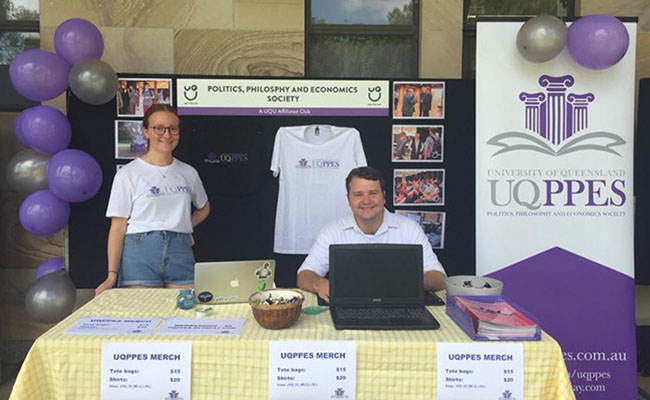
[(312, 162), (155, 198)]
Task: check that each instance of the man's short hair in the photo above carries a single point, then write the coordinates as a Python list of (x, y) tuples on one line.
[(368, 173)]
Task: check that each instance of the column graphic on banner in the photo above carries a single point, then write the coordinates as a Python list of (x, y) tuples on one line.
[(555, 116), (554, 209)]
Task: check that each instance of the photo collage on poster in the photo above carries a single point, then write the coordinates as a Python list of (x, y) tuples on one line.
[(134, 97), (416, 139)]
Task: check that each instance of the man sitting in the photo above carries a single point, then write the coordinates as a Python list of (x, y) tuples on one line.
[(370, 222)]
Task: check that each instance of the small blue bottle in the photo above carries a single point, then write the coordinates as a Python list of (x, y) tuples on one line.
[(185, 299)]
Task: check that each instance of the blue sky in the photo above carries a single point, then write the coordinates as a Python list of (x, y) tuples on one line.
[(355, 11)]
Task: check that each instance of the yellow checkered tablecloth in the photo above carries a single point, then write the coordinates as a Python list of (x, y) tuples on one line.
[(396, 365)]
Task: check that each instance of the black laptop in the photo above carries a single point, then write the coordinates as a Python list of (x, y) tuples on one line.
[(378, 286)]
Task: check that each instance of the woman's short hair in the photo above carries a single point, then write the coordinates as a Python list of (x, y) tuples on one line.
[(156, 108)]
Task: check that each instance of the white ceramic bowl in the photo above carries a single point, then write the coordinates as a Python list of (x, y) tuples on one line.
[(470, 285)]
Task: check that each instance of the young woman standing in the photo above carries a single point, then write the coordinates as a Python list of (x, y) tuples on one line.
[(150, 206)]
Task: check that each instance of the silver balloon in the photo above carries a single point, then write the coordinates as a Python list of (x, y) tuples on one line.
[(93, 81), (26, 171), (51, 297), (541, 38)]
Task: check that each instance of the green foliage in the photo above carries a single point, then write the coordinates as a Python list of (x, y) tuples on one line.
[(518, 7), (17, 12), (401, 17), (360, 56), (13, 42)]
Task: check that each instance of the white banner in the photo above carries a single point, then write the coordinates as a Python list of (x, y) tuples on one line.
[(574, 187), (554, 200)]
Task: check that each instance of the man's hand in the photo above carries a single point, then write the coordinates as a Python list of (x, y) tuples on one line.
[(434, 280), (312, 282), (323, 289)]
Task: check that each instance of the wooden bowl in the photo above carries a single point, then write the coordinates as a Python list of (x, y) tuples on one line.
[(276, 316)]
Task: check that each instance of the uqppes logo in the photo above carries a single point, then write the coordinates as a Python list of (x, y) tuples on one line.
[(556, 122), (155, 191), (507, 395), (173, 395), (225, 158), (318, 163)]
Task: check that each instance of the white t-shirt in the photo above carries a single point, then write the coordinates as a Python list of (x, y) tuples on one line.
[(313, 162), (156, 198), (394, 229)]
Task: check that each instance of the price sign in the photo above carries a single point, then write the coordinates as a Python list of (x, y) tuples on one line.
[(201, 326), (312, 370), (113, 326), (480, 371), (146, 370)]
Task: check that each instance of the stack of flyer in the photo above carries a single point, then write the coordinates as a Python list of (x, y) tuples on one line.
[(492, 318)]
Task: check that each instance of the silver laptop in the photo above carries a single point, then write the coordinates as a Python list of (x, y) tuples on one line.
[(231, 281)]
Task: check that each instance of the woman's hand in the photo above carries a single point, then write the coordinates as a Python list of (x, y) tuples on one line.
[(109, 283), (114, 249)]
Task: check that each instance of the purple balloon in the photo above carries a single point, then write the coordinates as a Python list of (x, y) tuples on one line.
[(48, 266), (73, 175), (38, 74), (46, 129), (43, 214), (77, 39), (597, 41), (18, 129)]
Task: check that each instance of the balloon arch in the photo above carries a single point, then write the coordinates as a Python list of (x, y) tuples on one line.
[(47, 169)]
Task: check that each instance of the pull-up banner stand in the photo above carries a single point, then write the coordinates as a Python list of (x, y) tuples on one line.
[(554, 205)]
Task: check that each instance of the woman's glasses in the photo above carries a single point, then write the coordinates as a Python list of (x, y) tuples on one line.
[(160, 130)]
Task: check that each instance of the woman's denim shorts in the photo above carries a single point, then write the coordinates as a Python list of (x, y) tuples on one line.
[(156, 258)]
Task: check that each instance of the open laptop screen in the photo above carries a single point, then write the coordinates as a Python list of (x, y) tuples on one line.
[(366, 274)]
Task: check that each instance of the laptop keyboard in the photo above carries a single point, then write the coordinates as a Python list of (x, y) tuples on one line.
[(380, 312)]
